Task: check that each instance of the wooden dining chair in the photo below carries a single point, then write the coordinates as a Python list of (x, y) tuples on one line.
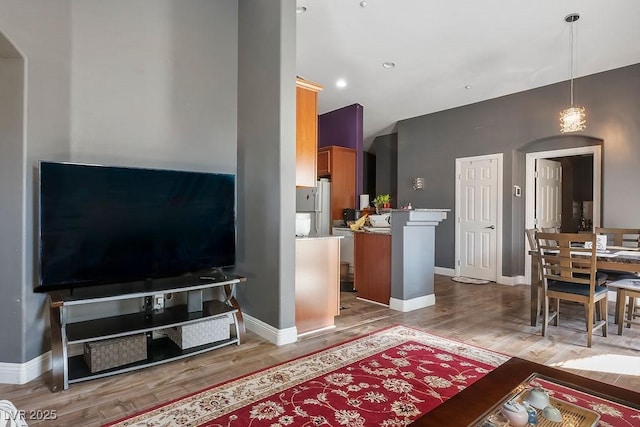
[(569, 273), (626, 239), (621, 238), (626, 288)]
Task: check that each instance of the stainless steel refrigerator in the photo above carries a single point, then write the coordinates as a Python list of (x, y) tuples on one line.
[(316, 201)]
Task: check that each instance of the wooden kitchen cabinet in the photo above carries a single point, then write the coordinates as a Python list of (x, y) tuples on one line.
[(339, 165), (306, 132), (372, 261)]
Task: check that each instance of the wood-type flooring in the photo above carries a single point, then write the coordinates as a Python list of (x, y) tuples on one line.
[(491, 316)]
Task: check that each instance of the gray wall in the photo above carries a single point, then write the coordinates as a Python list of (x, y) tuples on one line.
[(528, 121), (139, 83), (11, 196), (41, 33), (385, 148), (154, 83), (266, 160)]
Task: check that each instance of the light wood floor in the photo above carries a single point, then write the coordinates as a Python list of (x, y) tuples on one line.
[(491, 316)]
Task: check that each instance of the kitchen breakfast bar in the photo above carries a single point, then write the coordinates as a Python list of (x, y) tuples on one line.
[(395, 267)]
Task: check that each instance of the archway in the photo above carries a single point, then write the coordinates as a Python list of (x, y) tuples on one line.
[(556, 147)]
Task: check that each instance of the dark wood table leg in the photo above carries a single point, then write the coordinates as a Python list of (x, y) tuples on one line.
[(57, 349), (231, 300)]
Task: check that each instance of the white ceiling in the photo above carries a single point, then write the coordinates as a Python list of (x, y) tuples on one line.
[(498, 47)]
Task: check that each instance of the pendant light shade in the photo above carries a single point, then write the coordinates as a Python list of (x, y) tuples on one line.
[(573, 119)]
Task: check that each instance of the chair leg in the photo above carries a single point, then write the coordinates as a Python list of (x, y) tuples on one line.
[(545, 315), (556, 320), (619, 302), (630, 310), (539, 308), (620, 305), (604, 314), (589, 314)]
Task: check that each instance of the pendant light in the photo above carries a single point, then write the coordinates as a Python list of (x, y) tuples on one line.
[(573, 118)]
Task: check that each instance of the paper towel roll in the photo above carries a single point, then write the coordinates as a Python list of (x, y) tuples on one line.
[(364, 201)]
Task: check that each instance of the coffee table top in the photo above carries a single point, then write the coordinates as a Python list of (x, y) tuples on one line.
[(479, 398)]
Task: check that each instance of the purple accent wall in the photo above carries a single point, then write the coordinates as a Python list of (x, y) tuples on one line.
[(343, 127)]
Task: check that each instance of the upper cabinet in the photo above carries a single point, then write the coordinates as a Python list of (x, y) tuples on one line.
[(339, 165), (306, 132)]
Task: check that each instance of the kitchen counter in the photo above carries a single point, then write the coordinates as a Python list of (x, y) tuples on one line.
[(413, 257), (375, 230), (318, 237), (317, 282)]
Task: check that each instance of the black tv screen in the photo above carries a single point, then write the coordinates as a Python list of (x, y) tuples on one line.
[(103, 224)]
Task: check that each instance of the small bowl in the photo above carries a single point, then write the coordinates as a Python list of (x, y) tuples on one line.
[(552, 414), (515, 412), (538, 398)]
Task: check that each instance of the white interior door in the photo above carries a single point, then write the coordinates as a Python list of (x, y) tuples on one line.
[(548, 194), (477, 217)]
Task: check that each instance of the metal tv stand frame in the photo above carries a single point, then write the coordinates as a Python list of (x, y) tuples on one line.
[(67, 369)]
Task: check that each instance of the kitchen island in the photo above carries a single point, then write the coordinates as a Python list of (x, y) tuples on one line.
[(396, 267), (372, 260), (317, 282), (413, 257)]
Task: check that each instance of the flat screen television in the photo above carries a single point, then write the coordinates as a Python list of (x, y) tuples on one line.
[(102, 224)]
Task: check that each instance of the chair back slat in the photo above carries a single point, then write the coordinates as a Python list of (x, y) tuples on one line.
[(624, 237), (531, 237), (563, 257)]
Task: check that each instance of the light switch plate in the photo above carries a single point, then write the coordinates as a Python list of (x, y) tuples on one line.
[(517, 191)]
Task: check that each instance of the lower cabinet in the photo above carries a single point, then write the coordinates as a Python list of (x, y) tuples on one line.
[(372, 273), (317, 282)]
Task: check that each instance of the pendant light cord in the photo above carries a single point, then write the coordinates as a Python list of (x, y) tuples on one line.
[(572, 60)]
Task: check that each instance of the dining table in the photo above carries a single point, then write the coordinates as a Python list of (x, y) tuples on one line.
[(615, 258)]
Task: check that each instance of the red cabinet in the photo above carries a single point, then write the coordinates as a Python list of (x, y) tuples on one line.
[(372, 273)]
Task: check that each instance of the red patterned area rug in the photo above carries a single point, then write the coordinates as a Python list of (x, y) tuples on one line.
[(387, 378)]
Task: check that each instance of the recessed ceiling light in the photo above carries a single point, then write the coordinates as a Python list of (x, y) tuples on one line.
[(341, 83), (363, 4), (467, 86), (388, 64), (301, 9)]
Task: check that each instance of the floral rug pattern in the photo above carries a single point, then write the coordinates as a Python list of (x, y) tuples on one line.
[(388, 378)]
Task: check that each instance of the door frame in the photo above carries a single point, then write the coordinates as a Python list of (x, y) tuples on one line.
[(499, 158), (595, 151)]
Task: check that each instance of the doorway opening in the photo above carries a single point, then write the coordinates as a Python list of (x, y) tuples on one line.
[(582, 171)]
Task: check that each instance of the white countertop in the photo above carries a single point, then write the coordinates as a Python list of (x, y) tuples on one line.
[(318, 237), (422, 210)]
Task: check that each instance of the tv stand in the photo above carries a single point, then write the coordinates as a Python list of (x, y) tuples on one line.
[(68, 369)]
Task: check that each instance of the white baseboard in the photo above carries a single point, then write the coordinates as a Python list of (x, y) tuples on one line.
[(445, 271), (515, 280), (268, 332), (412, 304), (22, 373), (502, 280)]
